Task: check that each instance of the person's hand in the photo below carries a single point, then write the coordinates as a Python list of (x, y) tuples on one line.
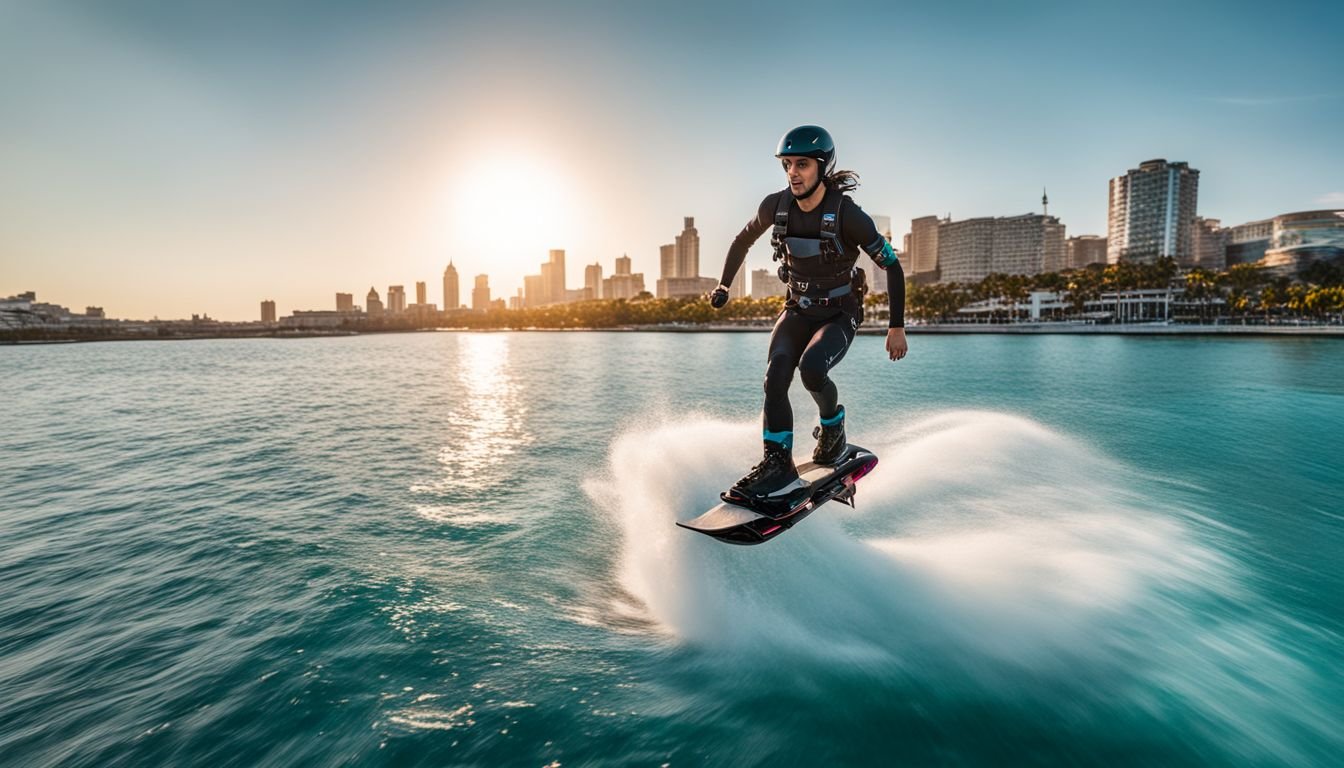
[(718, 297), (896, 344)]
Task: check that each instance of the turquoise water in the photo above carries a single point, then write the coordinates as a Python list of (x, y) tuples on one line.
[(458, 549)]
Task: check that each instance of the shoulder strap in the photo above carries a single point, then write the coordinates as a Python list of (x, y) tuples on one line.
[(781, 223)]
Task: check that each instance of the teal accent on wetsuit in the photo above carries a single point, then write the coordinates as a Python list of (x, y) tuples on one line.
[(836, 419), (783, 438)]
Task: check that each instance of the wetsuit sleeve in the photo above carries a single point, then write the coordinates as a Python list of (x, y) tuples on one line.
[(860, 229), (737, 252)]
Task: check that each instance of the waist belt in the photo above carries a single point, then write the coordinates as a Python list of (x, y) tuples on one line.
[(827, 299)]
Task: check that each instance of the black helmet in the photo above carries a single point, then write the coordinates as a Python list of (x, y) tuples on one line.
[(809, 141)]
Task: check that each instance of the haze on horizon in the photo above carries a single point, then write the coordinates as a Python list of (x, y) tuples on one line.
[(163, 159)]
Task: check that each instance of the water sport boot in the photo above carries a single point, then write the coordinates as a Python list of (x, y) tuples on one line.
[(830, 437), (774, 479)]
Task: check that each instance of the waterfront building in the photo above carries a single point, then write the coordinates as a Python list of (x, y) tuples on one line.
[(688, 249), (420, 293), (623, 284), (687, 287), (667, 262), (1151, 213), (1083, 250), (319, 318), (555, 286), (480, 295), (1247, 243), (1301, 239), (970, 250), (1209, 250), (373, 305), (765, 282), (396, 299), (97, 313), (922, 245), (592, 281), (532, 291), (268, 311), (451, 293), (345, 302)]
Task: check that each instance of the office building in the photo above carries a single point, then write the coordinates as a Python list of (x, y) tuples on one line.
[(972, 249), (764, 283), (1209, 247), (1301, 239), (1247, 243), (623, 284), (555, 280), (420, 297), (480, 295), (592, 281), (268, 311), (667, 260), (1083, 250), (451, 293), (1151, 213), (372, 304), (345, 302), (688, 250), (396, 299)]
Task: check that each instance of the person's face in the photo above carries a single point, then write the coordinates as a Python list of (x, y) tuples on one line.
[(801, 172)]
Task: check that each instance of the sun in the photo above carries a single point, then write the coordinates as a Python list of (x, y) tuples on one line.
[(506, 208)]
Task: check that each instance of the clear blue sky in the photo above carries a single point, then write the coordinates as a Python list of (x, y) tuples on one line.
[(164, 158)]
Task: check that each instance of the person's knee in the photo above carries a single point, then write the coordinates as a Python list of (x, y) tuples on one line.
[(813, 376)]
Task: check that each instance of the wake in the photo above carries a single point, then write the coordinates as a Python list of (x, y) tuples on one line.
[(985, 549)]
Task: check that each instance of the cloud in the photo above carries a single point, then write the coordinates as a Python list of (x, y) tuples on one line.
[(1332, 199)]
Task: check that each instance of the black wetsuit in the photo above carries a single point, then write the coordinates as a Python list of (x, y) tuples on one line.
[(813, 339)]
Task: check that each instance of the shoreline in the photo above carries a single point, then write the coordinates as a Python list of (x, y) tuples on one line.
[(1016, 329)]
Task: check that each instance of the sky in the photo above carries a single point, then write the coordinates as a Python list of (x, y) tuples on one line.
[(163, 159)]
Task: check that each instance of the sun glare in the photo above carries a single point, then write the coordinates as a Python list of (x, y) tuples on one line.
[(506, 210)]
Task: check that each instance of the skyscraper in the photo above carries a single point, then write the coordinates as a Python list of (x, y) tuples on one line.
[(1151, 213), (396, 299), (1208, 248), (268, 311), (592, 280), (372, 304), (345, 302), (556, 288), (450, 288), (623, 265), (480, 295), (420, 293), (688, 249), (667, 260)]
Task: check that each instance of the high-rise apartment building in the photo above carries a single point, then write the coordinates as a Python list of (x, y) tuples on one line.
[(480, 295), (345, 302), (1151, 213), (923, 246), (268, 311), (688, 249), (451, 293), (592, 280), (372, 304), (1083, 250), (396, 299)]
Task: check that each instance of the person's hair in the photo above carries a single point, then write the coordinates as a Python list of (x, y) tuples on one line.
[(845, 181)]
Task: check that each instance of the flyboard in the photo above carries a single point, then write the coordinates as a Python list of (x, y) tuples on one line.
[(741, 520)]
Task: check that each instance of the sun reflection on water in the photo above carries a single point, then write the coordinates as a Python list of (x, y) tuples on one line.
[(488, 425)]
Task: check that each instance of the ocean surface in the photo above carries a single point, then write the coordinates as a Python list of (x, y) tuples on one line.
[(459, 549)]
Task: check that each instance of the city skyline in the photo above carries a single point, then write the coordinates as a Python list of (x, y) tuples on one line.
[(166, 161)]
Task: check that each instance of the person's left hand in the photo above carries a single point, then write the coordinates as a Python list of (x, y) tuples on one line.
[(896, 344)]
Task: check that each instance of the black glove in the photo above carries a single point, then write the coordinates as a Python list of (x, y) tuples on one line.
[(718, 297)]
